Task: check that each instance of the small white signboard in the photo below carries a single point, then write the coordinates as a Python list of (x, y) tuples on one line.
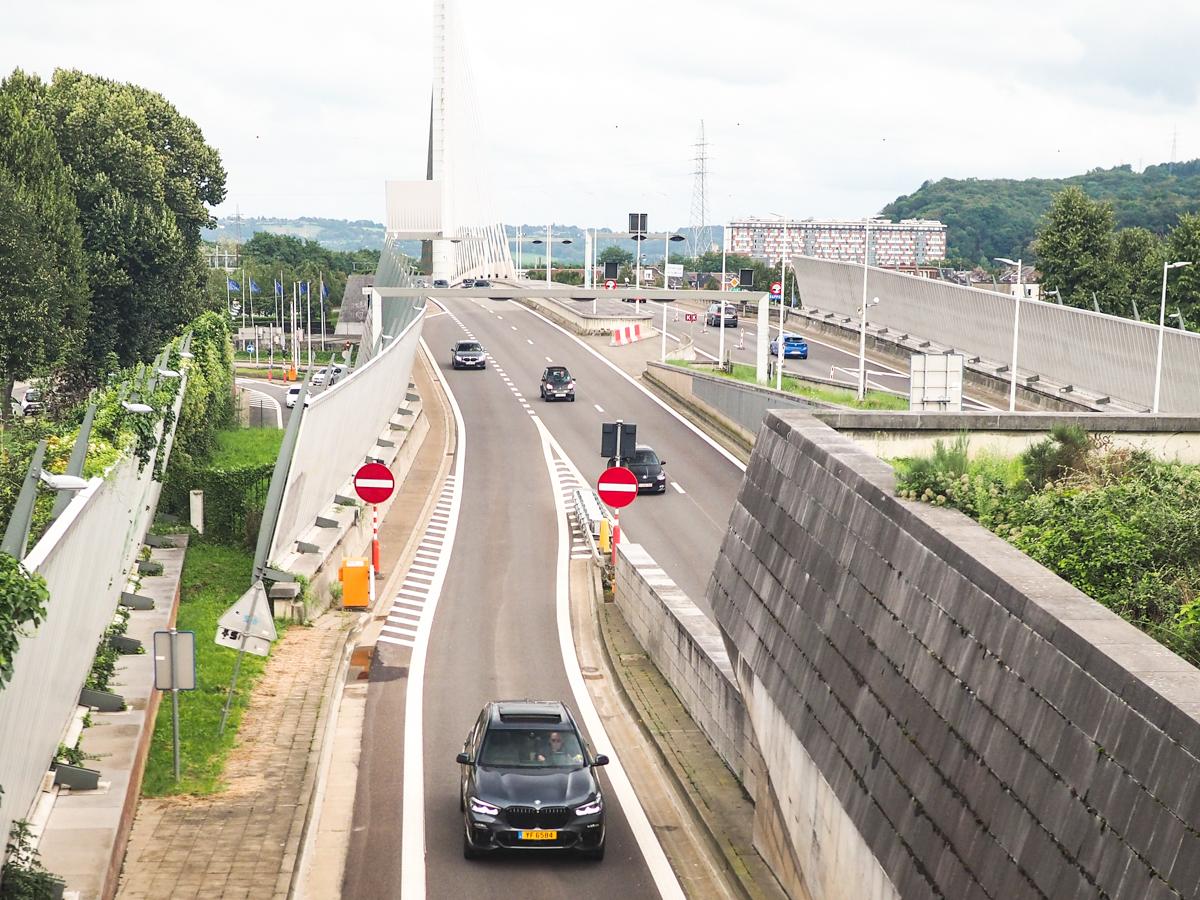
[(252, 614), (935, 382), (674, 270)]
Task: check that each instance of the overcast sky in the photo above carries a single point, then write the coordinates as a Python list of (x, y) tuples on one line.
[(588, 111)]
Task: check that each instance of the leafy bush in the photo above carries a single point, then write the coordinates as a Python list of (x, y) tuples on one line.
[(23, 876), (23, 597), (1118, 525)]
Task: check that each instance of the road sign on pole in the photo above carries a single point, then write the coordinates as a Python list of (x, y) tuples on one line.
[(776, 290), (610, 284), (689, 317), (374, 483), (617, 486), (175, 671)]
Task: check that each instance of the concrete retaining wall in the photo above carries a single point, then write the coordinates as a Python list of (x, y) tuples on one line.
[(583, 322), (988, 729), (687, 649)]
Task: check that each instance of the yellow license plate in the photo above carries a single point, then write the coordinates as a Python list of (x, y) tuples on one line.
[(538, 835)]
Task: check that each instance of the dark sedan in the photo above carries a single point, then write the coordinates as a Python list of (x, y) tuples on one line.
[(529, 782), (645, 464)]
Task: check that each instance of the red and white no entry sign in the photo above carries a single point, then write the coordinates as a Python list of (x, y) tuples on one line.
[(617, 486), (776, 287), (610, 285), (374, 483)]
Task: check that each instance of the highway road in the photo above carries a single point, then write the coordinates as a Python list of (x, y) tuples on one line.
[(488, 592), (825, 359)]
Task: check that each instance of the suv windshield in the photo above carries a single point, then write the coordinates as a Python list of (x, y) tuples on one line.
[(468, 347), (534, 749), (558, 375)]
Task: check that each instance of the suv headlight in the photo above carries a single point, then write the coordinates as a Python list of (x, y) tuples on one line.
[(590, 809), (483, 809)]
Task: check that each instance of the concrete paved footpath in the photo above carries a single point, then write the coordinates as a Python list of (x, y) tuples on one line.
[(243, 842)]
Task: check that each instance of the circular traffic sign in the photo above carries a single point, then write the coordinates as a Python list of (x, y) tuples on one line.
[(610, 285), (776, 287), (617, 486), (374, 483)]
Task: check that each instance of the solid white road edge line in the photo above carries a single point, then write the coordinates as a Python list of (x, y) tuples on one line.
[(612, 365), (412, 850), (656, 860)]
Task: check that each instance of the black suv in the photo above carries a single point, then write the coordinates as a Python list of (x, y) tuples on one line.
[(467, 355), (557, 384), (645, 464), (528, 781)]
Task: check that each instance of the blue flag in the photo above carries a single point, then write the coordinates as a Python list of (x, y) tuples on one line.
[(324, 290), (278, 287), (254, 288), (304, 287), (233, 285)]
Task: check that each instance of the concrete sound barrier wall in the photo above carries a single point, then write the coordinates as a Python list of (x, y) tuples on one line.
[(1089, 350), (341, 425), (986, 729)]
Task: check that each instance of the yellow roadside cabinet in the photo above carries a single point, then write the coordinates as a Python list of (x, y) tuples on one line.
[(354, 573)]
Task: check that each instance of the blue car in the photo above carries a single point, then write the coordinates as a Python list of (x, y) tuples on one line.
[(794, 347)]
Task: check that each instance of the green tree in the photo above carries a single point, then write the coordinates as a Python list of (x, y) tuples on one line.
[(43, 284), (1075, 247), (144, 180), (1183, 244), (1138, 258), (613, 253)]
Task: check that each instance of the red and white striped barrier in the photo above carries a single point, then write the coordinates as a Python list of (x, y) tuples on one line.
[(628, 335)]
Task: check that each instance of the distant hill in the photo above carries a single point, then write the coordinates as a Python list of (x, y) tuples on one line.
[(340, 234), (333, 234), (986, 218)]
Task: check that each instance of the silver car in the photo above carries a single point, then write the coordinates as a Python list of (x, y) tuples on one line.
[(467, 355)]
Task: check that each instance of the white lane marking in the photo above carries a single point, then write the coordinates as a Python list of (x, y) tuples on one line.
[(654, 398), (498, 316), (548, 359), (387, 639), (397, 630), (599, 408), (656, 860), (408, 604), (412, 850), (678, 487), (513, 327), (529, 342)]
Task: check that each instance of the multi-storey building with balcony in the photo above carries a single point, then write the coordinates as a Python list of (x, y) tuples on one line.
[(910, 242)]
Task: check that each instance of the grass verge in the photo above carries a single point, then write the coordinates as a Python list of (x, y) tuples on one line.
[(214, 575), (840, 396), (241, 448)]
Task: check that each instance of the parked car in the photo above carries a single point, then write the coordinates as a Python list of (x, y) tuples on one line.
[(634, 299), (337, 373), (441, 283), (645, 464), (467, 355), (528, 781), (482, 282), (794, 347), (31, 402), (468, 282), (713, 316), (557, 384), (320, 375)]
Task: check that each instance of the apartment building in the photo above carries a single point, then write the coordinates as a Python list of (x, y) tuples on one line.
[(909, 242)]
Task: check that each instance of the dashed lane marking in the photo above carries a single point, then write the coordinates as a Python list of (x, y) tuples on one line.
[(678, 487)]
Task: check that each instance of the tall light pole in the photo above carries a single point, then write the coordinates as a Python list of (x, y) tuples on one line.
[(548, 242), (1012, 382), (862, 335), (862, 348), (721, 339), (1162, 317)]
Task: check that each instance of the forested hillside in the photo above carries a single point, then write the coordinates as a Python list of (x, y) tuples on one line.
[(986, 218)]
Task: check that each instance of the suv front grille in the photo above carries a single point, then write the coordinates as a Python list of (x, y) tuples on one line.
[(531, 817)]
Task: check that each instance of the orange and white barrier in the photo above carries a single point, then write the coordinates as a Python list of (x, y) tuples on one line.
[(628, 335)]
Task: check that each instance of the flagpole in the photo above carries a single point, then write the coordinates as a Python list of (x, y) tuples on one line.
[(295, 359), (321, 300), (243, 335), (308, 327), (253, 323)]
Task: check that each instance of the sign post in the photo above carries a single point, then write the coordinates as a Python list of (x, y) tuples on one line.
[(175, 671), (374, 484), (617, 487)]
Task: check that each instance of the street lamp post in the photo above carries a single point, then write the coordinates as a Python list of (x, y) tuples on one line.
[(1162, 317), (549, 241), (862, 336), (1012, 381), (721, 339)]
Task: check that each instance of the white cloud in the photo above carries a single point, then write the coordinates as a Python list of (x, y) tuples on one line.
[(585, 112)]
